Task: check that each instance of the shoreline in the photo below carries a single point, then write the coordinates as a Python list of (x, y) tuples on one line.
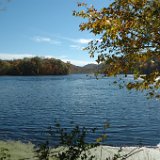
[(19, 150)]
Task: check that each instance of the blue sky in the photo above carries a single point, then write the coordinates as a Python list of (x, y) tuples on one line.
[(44, 28)]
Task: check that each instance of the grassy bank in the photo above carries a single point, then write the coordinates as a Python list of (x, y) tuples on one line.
[(16, 150)]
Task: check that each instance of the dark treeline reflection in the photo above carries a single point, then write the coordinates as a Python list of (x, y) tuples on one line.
[(34, 66)]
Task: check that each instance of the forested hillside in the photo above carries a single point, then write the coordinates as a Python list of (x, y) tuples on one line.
[(51, 66), (89, 68), (33, 66)]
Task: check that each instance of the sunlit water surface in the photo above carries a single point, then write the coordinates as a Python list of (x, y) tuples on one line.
[(29, 105)]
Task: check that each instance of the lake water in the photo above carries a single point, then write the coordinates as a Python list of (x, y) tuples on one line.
[(28, 105)]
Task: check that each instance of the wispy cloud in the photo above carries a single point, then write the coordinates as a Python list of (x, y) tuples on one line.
[(78, 62), (75, 43), (77, 47), (77, 40), (78, 44), (74, 46), (83, 41), (49, 40), (11, 56)]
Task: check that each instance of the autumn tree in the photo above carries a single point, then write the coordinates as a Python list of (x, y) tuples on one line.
[(4, 67), (127, 37), (33, 66)]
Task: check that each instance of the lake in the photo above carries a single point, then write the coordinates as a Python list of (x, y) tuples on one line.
[(28, 105)]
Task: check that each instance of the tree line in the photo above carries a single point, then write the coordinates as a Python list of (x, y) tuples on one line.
[(52, 66), (34, 66)]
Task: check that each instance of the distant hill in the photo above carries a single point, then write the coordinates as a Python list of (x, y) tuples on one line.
[(74, 69), (89, 68), (151, 65)]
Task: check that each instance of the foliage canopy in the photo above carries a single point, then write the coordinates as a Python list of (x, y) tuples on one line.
[(34, 66), (127, 37)]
